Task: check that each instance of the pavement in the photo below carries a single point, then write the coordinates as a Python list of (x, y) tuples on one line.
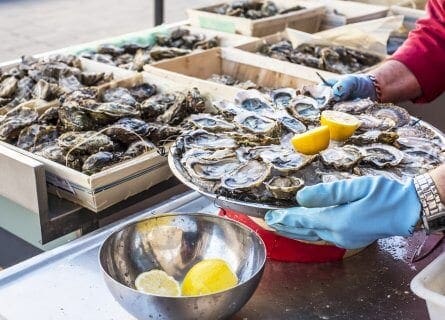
[(35, 26)]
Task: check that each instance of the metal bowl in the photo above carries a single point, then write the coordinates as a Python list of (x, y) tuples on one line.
[(174, 243)]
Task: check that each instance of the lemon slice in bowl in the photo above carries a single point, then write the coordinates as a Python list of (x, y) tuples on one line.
[(208, 276), (341, 125), (157, 282), (312, 141)]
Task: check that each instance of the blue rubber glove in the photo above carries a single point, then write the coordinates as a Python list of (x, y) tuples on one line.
[(350, 213), (352, 86)]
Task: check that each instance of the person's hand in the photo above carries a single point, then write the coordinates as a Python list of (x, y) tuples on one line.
[(350, 213), (352, 86)]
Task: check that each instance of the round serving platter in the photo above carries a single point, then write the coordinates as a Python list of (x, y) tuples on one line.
[(253, 209)]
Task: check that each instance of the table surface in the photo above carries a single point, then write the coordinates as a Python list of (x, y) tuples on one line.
[(66, 283)]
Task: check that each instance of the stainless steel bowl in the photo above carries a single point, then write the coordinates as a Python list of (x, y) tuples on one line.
[(174, 243)]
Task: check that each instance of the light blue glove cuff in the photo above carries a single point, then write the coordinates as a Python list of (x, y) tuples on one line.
[(351, 87)]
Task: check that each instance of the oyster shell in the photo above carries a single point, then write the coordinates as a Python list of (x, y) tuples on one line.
[(415, 131), (356, 107), (46, 91), (98, 161), (211, 123), (250, 175), (211, 170), (256, 124), (137, 148), (156, 105), (332, 176), (160, 53), (320, 93), (254, 101), (8, 87), (85, 142), (127, 130), (382, 155), (282, 97), (119, 95), (52, 151), (36, 134), (15, 120), (368, 171), (286, 161), (374, 136), (50, 116), (75, 118), (341, 158), (397, 114), (291, 124), (368, 122), (143, 91), (160, 134), (282, 187), (203, 139), (304, 109), (106, 112)]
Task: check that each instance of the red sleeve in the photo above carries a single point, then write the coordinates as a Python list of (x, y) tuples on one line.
[(424, 51)]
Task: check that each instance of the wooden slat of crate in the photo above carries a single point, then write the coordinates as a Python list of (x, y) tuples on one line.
[(307, 19), (410, 16), (243, 66)]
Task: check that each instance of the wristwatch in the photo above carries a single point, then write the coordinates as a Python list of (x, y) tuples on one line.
[(433, 211)]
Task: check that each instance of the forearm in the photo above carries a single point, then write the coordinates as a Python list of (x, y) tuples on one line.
[(396, 81), (438, 176)]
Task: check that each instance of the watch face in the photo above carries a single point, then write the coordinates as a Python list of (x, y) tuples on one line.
[(437, 222)]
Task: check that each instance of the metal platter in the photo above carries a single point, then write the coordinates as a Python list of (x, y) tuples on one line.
[(253, 209)]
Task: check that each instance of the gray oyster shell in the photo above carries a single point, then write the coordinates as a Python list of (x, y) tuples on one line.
[(286, 161), (85, 142), (354, 107), (98, 161), (382, 155), (397, 114), (211, 123), (211, 170), (341, 158), (305, 109), (249, 175), (203, 139), (254, 101), (256, 124), (284, 187)]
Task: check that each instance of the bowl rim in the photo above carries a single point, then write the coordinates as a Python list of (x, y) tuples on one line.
[(258, 271)]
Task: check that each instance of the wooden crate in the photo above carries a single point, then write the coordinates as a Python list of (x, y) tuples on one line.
[(339, 13), (243, 66), (307, 20), (410, 16), (414, 4), (100, 190)]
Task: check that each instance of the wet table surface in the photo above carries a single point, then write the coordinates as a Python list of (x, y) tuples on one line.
[(66, 283)]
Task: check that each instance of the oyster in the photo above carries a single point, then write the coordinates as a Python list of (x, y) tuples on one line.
[(341, 158), (160, 53), (46, 91), (249, 175), (156, 105), (85, 142), (110, 49), (284, 187), (203, 139), (50, 116), (8, 87), (254, 101), (160, 134), (320, 93), (98, 161), (211, 170), (256, 124), (74, 118), (184, 106), (137, 148), (374, 136), (94, 78), (52, 151), (228, 109), (368, 122), (211, 123), (119, 95), (282, 97), (291, 124), (106, 112), (332, 176), (36, 134), (368, 171), (127, 130), (15, 120), (397, 114), (142, 91), (356, 107), (225, 79), (382, 155), (415, 131), (286, 161), (304, 109)]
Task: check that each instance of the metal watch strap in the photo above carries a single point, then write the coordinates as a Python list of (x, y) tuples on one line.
[(378, 91), (433, 211)]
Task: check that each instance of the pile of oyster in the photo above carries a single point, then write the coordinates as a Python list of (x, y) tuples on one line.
[(337, 59), (45, 79), (244, 152), (134, 56), (252, 9), (93, 129)]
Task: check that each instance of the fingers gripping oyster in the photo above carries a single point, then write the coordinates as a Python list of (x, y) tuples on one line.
[(284, 187), (250, 175), (341, 158), (382, 155)]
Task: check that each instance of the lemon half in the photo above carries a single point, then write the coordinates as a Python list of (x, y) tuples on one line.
[(312, 141), (157, 282), (208, 276), (341, 125)]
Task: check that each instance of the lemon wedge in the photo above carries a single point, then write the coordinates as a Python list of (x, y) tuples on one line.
[(312, 141), (157, 282), (341, 125), (208, 276)]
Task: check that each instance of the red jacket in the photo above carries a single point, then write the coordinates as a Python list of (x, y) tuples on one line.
[(424, 51)]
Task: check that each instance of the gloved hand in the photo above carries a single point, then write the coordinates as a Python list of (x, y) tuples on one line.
[(350, 213), (352, 86)]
